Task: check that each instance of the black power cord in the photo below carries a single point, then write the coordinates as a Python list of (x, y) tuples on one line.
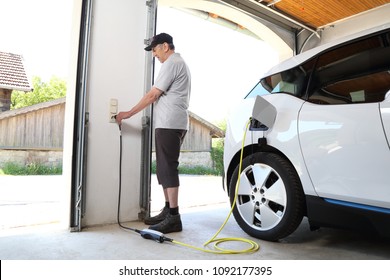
[(120, 183), (145, 233)]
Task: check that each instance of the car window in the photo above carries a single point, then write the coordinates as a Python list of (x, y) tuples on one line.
[(258, 89), (355, 73), (292, 81)]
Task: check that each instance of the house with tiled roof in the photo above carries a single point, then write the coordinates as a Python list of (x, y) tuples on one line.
[(13, 76)]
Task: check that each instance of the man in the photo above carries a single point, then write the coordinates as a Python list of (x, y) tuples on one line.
[(170, 95)]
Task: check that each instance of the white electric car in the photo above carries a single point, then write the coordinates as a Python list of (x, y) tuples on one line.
[(317, 142)]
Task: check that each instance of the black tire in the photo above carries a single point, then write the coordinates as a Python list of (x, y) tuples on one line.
[(270, 202)]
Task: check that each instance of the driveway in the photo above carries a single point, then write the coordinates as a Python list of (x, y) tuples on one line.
[(36, 200)]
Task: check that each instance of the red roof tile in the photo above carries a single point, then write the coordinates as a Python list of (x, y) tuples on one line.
[(12, 72)]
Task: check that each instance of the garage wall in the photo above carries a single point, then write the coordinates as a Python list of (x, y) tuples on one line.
[(116, 70)]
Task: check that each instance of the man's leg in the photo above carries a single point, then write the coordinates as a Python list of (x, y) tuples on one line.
[(167, 174), (172, 221), (173, 196), (162, 215)]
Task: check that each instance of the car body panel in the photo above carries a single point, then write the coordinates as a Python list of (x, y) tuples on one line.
[(345, 150)]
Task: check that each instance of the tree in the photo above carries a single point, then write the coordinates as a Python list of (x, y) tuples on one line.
[(54, 89)]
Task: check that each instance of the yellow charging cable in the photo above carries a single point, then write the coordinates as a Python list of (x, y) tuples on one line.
[(253, 246)]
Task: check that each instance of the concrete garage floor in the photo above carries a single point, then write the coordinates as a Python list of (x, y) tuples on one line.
[(201, 219)]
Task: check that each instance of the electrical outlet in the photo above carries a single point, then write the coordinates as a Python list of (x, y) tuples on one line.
[(113, 110)]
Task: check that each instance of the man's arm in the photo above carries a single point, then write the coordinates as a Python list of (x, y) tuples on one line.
[(145, 101)]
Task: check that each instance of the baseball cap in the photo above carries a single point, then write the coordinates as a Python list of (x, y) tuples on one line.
[(159, 39)]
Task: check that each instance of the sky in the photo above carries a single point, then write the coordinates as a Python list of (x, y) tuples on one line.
[(224, 64), (40, 31)]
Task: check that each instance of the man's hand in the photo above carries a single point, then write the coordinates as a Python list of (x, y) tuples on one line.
[(120, 116)]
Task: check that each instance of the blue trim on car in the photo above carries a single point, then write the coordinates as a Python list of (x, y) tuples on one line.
[(357, 205)]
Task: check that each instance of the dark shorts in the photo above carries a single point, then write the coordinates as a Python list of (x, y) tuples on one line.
[(168, 143)]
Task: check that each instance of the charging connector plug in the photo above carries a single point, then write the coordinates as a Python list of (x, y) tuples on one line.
[(119, 126), (154, 235)]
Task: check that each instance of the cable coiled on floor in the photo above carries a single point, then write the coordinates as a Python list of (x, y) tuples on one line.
[(253, 246)]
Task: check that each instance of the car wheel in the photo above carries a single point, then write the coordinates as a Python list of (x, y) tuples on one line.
[(270, 200)]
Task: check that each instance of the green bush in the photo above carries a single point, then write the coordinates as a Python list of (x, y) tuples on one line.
[(217, 155), (11, 168)]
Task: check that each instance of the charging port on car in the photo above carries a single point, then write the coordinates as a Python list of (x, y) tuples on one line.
[(255, 125)]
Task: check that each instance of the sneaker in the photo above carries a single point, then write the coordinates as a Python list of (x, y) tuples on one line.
[(158, 218), (172, 223)]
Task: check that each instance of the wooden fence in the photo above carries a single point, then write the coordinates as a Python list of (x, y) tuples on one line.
[(39, 127), (35, 134)]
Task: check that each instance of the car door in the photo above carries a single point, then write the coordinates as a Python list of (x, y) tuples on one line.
[(342, 136), (346, 152)]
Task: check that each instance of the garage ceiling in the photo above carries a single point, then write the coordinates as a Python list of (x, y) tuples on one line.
[(319, 13), (310, 14)]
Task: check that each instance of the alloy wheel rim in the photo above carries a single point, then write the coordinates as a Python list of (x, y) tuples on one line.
[(262, 197)]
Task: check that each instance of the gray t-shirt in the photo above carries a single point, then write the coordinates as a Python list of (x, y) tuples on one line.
[(174, 79)]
